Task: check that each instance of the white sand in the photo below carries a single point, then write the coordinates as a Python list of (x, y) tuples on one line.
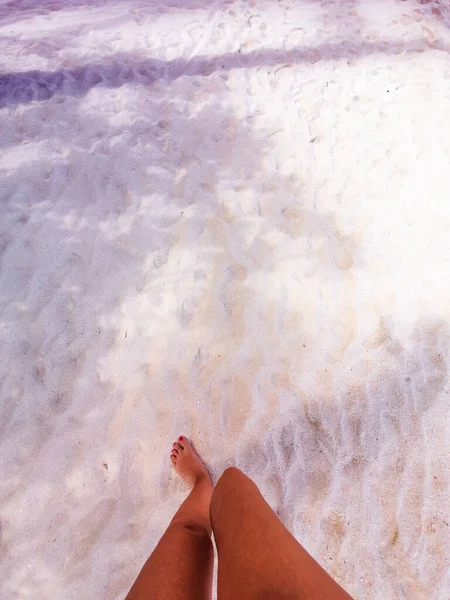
[(229, 220)]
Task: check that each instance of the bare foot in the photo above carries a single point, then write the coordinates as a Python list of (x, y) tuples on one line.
[(186, 462)]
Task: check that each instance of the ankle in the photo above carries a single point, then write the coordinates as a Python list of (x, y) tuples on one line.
[(203, 479)]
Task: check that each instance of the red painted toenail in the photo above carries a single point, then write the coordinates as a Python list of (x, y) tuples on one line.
[(181, 437)]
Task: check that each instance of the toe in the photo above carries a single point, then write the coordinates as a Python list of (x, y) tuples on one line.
[(177, 446)]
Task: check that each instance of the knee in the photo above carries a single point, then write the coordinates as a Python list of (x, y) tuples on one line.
[(190, 525), (231, 493), (229, 483), (231, 474)]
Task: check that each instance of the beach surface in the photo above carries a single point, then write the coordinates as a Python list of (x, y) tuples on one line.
[(229, 221)]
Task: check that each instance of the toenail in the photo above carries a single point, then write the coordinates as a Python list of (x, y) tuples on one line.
[(181, 437)]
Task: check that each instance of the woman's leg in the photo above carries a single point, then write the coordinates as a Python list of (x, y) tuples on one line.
[(181, 565), (258, 557)]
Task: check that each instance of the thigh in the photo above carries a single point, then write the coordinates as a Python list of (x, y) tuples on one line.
[(180, 567), (258, 557)]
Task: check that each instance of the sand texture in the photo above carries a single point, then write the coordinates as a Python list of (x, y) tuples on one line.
[(228, 220)]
